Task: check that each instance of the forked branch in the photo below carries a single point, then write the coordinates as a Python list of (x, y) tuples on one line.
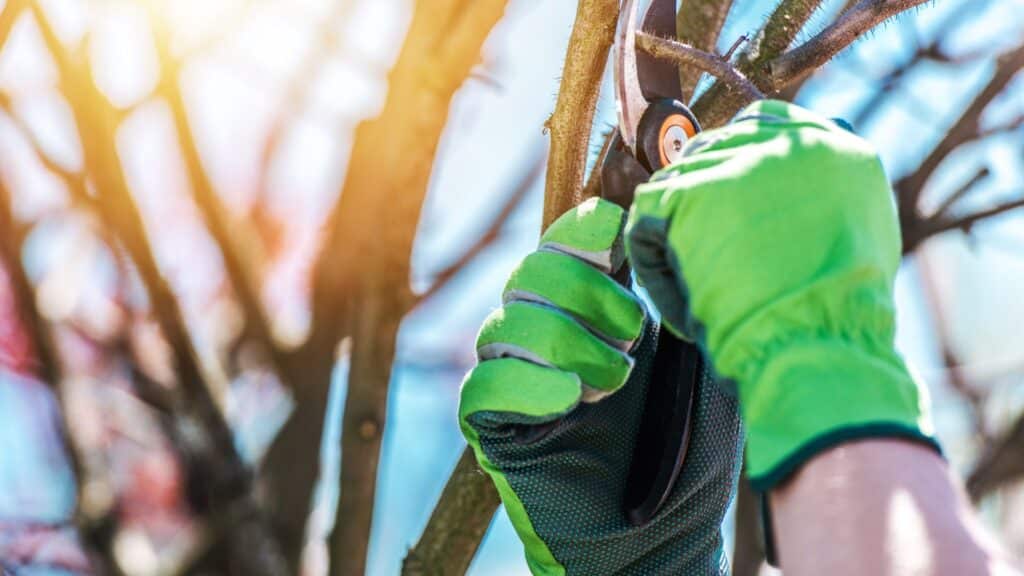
[(686, 55)]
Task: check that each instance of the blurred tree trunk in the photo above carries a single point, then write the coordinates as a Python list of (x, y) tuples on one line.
[(361, 278)]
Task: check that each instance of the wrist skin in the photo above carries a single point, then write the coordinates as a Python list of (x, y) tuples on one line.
[(882, 506)]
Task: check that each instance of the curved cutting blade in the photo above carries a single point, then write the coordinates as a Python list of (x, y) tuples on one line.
[(640, 78), (630, 103)]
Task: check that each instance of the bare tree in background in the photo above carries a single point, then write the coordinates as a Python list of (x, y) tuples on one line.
[(252, 520)]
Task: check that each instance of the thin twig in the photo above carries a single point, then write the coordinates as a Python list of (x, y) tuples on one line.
[(735, 46), (526, 181), (238, 262), (968, 221), (965, 129), (592, 188), (95, 506), (74, 183), (853, 23), (713, 64), (960, 192)]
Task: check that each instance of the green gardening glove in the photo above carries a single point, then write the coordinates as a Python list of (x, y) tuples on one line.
[(774, 244), (552, 412)]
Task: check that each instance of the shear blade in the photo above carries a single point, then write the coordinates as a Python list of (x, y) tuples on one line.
[(640, 78)]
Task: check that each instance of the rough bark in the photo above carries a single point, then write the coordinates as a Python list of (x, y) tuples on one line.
[(720, 102), (455, 530), (570, 125), (850, 26)]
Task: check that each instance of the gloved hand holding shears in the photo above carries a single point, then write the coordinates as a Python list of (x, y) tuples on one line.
[(582, 412), (769, 247)]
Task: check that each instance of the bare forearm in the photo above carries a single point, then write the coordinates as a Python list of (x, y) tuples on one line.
[(884, 507)]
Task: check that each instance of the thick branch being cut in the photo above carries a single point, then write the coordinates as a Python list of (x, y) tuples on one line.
[(570, 125), (592, 36)]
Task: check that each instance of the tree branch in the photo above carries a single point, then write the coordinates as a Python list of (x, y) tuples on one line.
[(382, 289), (491, 233), (713, 64), (226, 478), (853, 23), (720, 102), (698, 24), (239, 263), (95, 502), (457, 525), (965, 129), (959, 193), (8, 16), (1000, 464), (570, 125), (360, 280), (968, 221), (469, 497), (75, 183)]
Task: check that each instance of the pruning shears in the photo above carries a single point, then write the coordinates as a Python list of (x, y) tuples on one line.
[(653, 128)]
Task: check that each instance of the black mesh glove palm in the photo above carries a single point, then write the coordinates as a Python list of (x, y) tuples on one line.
[(553, 410)]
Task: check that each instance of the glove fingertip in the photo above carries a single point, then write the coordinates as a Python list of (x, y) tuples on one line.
[(519, 391)]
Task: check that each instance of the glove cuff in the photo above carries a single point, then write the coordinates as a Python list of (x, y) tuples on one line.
[(815, 394)]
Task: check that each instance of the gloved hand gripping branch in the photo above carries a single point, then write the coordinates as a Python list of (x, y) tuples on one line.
[(571, 351)]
